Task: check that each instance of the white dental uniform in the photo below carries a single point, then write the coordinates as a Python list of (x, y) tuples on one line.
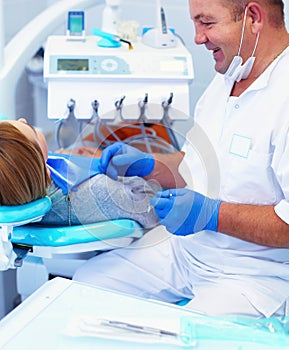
[(238, 151)]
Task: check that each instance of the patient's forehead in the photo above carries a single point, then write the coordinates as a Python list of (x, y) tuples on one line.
[(24, 128), (36, 137)]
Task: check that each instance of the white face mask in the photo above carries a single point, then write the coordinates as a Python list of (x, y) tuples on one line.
[(236, 70)]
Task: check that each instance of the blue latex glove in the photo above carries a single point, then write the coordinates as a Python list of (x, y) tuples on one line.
[(120, 159), (184, 212)]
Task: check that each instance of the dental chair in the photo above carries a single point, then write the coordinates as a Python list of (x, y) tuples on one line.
[(45, 251)]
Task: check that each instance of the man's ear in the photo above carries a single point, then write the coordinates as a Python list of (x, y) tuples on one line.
[(256, 14), (48, 173)]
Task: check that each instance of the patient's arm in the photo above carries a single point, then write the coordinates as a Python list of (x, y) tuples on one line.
[(100, 199), (82, 151)]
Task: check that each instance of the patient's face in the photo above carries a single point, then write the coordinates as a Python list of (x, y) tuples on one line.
[(32, 134)]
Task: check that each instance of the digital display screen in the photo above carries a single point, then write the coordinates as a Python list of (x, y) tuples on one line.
[(76, 22), (76, 64)]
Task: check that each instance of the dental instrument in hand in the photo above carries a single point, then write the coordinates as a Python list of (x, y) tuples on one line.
[(183, 211), (151, 206)]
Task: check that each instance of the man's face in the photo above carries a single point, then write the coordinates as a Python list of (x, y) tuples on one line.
[(217, 30)]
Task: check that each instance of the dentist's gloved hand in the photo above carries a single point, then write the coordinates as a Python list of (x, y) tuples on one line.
[(184, 212), (120, 159)]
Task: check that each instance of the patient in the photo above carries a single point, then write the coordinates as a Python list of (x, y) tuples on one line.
[(24, 177)]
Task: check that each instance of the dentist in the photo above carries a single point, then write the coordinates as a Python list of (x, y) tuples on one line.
[(223, 238)]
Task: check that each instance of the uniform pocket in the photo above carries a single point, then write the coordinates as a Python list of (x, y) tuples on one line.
[(250, 180)]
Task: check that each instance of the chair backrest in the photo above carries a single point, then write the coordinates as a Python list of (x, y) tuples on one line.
[(17, 215)]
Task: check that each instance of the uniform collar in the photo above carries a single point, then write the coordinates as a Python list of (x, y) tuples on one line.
[(263, 80)]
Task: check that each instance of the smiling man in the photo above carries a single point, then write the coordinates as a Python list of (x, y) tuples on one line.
[(227, 251)]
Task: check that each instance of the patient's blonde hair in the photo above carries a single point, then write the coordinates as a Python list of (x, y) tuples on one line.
[(23, 175)]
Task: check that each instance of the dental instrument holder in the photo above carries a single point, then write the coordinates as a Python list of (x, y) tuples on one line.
[(68, 129), (142, 119), (92, 124), (154, 37), (95, 106), (96, 122), (110, 15), (118, 108), (75, 26), (143, 108), (167, 122), (160, 37), (82, 71)]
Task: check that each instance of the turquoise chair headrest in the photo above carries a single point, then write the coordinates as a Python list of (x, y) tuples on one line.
[(21, 214)]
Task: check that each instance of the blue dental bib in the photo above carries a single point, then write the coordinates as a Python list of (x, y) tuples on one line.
[(67, 171)]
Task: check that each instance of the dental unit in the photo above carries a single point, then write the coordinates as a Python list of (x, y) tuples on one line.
[(85, 72), (92, 86)]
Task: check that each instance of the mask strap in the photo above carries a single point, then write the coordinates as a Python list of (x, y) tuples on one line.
[(256, 43), (243, 31)]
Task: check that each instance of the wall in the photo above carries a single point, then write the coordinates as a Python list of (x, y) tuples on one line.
[(13, 23)]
